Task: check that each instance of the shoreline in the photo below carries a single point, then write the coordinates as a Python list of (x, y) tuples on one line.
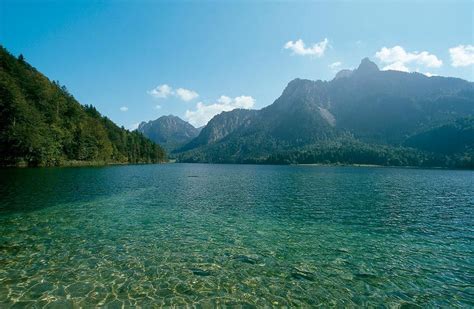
[(340, 165), (173, 161), (80, 164)]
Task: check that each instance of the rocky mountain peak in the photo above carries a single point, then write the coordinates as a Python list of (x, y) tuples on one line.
[(367, 67)]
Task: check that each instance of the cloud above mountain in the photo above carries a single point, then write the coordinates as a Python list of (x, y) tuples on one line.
[(462, 55), (186, 94), (335, 65), (164, 91), (204, 112), (299, 48), (161, 91), (133, 126), (396, 58)]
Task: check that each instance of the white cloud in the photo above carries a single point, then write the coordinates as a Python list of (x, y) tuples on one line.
[(158, 106), (398, 59), (335, 65), (203, 113), (299, 48), (462, 55), (164, 91), (124, 109), (161, 91), (397, 66), (133, 126), (430, 74), (186, 94)]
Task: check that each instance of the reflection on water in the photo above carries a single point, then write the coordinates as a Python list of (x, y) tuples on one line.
[(225, 234)]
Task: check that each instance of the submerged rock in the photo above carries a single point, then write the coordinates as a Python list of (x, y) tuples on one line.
[(305, 275), (246, 259), (200, 272)]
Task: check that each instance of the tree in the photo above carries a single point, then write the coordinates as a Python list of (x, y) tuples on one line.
[(41, 124)]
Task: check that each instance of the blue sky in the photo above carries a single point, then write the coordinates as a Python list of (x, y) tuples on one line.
[(215, 56)]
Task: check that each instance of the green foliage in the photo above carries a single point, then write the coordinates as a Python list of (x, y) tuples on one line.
[(453, 137), (350, 151), (41, 124), (364, 116), (341, 151)]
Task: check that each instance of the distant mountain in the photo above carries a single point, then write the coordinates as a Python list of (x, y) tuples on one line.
[(451, 138), (170, 131), (41, 124), (360, 111), (219, 127)]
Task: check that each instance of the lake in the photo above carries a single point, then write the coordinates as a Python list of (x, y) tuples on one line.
[(209, 235)]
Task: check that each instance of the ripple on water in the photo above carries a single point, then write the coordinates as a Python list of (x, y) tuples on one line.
[(269, 236)]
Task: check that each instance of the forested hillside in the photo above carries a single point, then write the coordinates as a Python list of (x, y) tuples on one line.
[(41, 124), (362, 116)]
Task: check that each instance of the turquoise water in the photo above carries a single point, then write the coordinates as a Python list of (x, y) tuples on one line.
[(210, 235)]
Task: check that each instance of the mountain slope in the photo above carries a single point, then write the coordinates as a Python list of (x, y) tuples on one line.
[(170, 131), (41, 124), (364, 108), (450, 138), (221, 126)]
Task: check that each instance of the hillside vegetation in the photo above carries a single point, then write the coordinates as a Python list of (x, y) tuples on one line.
[(41, 124), (363, 116)]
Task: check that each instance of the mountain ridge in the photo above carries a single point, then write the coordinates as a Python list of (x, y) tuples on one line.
[(169, 131), (367, 106)]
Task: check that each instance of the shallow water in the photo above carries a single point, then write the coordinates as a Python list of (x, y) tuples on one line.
[(213, 235)]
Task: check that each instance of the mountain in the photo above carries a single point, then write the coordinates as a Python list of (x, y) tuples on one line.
[(372, 114), (450, 138), (220, 127), (41, 124), (170, 131)]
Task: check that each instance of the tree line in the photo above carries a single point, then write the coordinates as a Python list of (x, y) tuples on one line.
[(42, 124)]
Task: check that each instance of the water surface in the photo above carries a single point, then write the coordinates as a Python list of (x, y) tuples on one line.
[(209, 235)]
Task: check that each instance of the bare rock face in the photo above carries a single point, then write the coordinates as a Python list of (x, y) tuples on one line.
[(367, 67), (366, 104), (169, 131), (220, 126)]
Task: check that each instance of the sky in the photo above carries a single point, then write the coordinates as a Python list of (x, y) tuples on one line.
[(138, 60)]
